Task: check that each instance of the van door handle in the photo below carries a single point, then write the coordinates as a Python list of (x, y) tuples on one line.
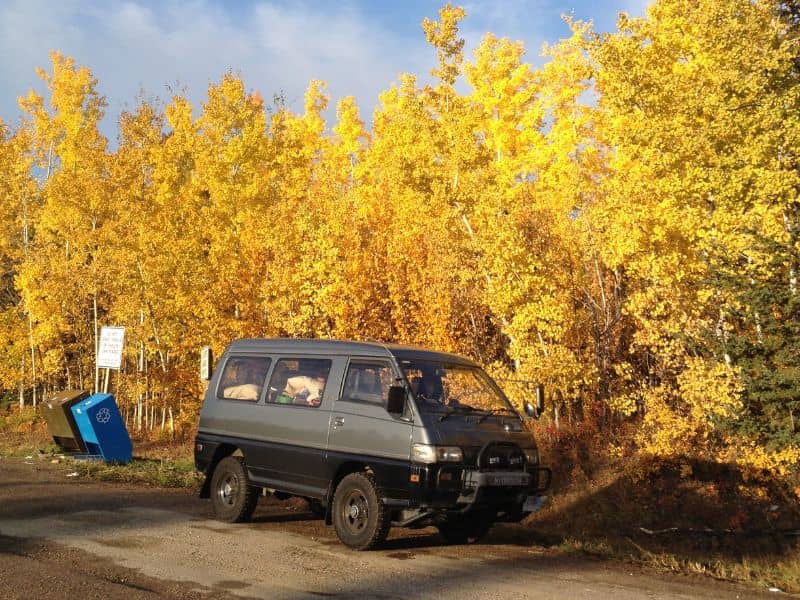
[(338, 421)]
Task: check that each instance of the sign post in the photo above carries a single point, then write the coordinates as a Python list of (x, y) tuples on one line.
[(109, 351)]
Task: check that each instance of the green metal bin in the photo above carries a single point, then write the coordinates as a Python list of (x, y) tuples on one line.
[(61, 422)]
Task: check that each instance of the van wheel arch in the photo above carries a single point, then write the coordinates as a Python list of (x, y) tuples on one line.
[(360, 518), (222, 451), (343, 471), (233, 497)]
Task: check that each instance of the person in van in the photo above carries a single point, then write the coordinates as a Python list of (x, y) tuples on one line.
[(305, 389), (427, 386)]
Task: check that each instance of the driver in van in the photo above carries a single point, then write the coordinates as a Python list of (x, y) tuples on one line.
[(427, 386)]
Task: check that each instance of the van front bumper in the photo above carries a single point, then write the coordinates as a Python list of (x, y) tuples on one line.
[(460, 488)]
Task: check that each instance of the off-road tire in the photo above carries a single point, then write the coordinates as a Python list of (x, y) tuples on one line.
[(360, 519), (466, 529), (232, 496)]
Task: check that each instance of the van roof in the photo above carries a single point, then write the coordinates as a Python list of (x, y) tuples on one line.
[(314, 346)]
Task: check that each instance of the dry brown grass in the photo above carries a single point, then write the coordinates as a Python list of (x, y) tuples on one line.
[(729, 524)]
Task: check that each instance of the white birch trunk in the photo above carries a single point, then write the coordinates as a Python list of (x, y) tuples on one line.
[(96, 345), (33, 357), (789, 226), (22, 383)]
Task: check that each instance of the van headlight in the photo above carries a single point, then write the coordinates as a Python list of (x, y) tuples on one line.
[(531, 455), (428, 454)]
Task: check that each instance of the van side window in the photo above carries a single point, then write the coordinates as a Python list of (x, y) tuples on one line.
[(368, 382), (243, 378), (299, 381)]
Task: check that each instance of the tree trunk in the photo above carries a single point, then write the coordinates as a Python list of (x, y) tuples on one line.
[(96, 345), (22, 383), (791, 229), (33, 357), (150, 313)]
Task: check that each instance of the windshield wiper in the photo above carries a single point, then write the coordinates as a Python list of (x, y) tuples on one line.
[(456, 408), (496, 411)]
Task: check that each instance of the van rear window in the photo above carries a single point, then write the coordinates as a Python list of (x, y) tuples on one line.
[(243, 378)]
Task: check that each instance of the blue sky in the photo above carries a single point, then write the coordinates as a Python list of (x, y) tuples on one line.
[(357, 46)]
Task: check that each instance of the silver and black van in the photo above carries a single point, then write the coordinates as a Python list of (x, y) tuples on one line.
[(372, 435)]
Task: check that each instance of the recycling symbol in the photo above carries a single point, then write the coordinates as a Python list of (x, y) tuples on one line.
[(103, 415)]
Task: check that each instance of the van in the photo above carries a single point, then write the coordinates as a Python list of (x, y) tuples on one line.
[(373, 435)]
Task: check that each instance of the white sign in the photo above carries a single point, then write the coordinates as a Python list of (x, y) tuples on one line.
[(205, 363), (109, 352)]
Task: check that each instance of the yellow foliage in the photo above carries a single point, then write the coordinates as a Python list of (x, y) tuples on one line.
[(556, 222), (683, 418), (751, 455)]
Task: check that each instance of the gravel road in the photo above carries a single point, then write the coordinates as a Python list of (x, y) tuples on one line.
[(63, 537)]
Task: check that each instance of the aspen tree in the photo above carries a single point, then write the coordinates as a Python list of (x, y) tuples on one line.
[(64, 281)]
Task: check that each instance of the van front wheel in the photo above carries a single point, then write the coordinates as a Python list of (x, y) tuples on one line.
[(360, 519), (232, 496)]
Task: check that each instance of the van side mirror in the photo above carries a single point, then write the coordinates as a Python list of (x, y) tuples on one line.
[(534, 411), (396, 402)]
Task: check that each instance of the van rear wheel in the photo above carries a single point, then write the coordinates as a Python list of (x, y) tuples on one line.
[(232, 496), (360, 519)]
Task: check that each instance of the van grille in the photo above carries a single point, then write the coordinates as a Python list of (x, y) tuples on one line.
[(501, 456)]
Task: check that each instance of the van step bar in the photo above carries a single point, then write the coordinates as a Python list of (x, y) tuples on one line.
[(414, 519)]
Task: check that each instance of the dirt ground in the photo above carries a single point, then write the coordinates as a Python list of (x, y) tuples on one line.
[(63, 537)]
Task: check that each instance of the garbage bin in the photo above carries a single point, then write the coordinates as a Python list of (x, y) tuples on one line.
[(60, 421), (102, 428)]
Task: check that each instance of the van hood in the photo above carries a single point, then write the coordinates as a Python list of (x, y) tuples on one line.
[(465, 430)]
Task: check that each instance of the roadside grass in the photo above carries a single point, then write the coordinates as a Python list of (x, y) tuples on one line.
[(169, 473), (23, 434), (18, 423), (782, 573)]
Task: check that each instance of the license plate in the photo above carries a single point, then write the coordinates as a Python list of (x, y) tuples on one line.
[(505, 480)]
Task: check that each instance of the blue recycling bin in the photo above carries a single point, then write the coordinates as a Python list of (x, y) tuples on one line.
[(103, 429)]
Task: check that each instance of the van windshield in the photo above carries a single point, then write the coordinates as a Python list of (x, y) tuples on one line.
[(443, 387)]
